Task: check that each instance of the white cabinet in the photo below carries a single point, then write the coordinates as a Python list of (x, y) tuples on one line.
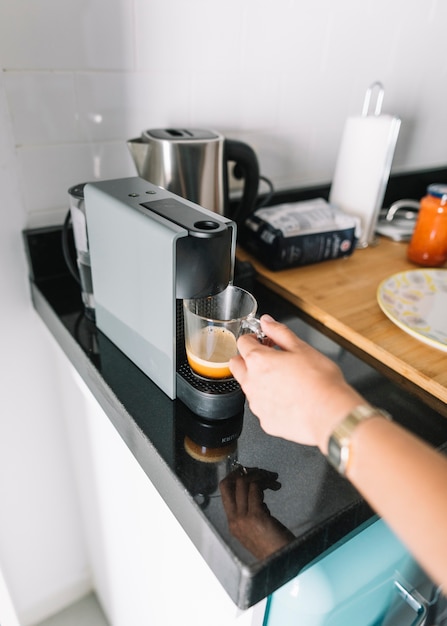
[(145, 568)]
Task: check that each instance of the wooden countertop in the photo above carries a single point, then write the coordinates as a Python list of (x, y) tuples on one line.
[(339, 297)]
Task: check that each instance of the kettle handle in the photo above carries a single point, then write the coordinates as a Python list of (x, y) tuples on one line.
[(248, 167)]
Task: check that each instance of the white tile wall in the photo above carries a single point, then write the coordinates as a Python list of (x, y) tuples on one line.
[(51, 35), (83, 77)]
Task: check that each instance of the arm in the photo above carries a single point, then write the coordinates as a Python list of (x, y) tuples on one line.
[(300, 395), (405, 481)]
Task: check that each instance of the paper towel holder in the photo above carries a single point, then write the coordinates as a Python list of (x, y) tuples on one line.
[(379, 100), (364, 163)]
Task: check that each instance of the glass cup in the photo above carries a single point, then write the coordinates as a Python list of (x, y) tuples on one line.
[(212, 327), (80, 235)]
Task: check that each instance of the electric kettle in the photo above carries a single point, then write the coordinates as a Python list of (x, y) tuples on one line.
[(193, 164)]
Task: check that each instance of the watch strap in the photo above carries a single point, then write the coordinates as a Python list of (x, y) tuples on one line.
[(339, 443)]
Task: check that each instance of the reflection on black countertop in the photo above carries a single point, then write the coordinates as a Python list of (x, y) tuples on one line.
[(308, 507)]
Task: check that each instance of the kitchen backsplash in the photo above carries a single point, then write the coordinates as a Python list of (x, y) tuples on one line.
[(82, 77)]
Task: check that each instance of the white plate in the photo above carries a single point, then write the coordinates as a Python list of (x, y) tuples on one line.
[(416, 301)]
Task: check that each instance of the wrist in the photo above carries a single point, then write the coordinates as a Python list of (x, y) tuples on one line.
[(341, 401), (339, 444)]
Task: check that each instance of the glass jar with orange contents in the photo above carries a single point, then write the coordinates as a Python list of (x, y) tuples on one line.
[(428, 245)]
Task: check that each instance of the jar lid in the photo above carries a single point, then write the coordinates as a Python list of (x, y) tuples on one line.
[(438, 190)]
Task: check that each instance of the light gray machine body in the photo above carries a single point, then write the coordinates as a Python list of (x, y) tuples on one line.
[(149, 248)]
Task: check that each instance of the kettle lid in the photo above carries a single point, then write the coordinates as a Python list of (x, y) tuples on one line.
[(178, 134)]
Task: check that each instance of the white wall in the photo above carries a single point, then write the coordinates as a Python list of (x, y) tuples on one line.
[(82, 76), (42, 551)]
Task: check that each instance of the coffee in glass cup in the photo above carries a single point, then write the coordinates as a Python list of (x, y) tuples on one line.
[(212, 327)]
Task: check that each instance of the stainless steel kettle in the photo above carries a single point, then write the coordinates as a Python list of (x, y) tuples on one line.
[(193, 163)]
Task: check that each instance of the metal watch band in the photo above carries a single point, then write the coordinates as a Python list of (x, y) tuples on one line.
[(340, 439)]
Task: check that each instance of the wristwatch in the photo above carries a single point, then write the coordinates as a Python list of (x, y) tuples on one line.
[(340, 439)]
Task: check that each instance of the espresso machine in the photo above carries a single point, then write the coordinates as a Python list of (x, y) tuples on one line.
[(150, 249)]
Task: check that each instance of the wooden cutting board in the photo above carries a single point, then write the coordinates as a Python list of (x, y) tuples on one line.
[(339, 297)]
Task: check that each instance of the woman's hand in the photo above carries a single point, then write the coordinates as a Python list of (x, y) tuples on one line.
[(296, 392)]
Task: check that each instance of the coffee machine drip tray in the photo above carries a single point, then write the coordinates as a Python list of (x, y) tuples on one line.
[(213, 400)]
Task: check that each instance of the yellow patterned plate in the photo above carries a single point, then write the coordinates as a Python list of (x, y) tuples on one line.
[(416, 301)]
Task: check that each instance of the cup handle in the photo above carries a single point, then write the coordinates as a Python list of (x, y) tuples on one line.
[(252, 326)]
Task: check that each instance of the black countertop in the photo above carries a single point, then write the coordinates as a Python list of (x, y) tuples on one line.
[(313, 507)]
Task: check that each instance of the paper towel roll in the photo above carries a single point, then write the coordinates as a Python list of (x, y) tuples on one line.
[(363, 167)]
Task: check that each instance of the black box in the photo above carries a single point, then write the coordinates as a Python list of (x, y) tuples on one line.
[(300, 233)]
